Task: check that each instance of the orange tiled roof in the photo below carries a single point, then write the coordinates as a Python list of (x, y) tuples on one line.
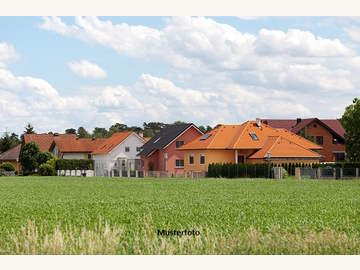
[(44, 140), (110, 143), (77, 145), (279, 146), (238, 137)]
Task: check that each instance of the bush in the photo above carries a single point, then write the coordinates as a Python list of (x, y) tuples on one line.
[(46, 170), (43, 157), (74, 164), (7, 166), (284, 172)]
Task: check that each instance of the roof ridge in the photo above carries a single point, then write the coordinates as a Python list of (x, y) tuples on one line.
[(240, 135)]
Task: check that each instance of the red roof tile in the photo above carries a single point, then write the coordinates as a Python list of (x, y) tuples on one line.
[(11, 154), (44, 140), (72, 144)]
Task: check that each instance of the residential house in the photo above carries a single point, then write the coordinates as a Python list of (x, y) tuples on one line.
[(71, 147), (250, 142), (328, 133), (161, 153), (12, 156), (43, 140), (117, 155)]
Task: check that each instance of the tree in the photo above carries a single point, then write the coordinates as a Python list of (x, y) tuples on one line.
[(351, 123), (29, 129), (28, 157), (151, 128), (117, 128), (8, 141), (205, 129), (179, 122), (43, 157), (70, 131), (100, 132), (82, 133)]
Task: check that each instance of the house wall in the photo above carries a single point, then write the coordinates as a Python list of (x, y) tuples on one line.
[(157, 158), (104, 163), (328, 146), (211, 156), (75, 155)]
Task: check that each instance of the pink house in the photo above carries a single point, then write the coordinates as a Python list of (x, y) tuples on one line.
[(161, 153)]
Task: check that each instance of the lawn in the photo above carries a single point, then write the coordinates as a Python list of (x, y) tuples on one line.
[(65, 215)]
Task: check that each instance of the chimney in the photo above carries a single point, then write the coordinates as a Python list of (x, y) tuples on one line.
[(258, 122), (298, 120)]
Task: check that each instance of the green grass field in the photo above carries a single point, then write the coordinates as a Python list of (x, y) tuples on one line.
[(65, 215)]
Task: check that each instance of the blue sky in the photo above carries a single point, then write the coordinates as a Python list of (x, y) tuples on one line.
[(66, 72)]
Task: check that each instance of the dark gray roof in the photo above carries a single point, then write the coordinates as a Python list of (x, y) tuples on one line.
[(163, 138)]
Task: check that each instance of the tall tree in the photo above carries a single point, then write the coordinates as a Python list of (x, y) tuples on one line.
[(8, 141), (70, 131), (151, 128), (205, 129), (351, 123), (28, 157), (29, 129), (82, 133), (100, 132), (117, 128)]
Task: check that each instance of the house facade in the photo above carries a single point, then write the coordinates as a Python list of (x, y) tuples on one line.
[(12, 156), (117, 155), (250, 142), (328, 133), (161, 153)]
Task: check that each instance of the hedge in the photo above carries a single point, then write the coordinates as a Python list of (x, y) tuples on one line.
[(74, 164), (231, 170)]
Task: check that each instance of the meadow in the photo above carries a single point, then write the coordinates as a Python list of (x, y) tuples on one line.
[(66, 215)]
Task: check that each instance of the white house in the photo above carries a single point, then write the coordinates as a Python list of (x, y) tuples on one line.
[(117, 155)]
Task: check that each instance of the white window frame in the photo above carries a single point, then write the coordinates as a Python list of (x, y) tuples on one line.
[(179, 166)]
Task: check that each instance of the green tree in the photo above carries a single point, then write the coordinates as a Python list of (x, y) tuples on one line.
[(82, 133), (151, 128), (204, 129), (43, 157), (100, 132), (351, 123), (29, 129), (117, 128), (70, 131), (28, 157), (8, 141)]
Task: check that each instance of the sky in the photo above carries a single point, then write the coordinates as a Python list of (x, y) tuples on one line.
[(66, 72)]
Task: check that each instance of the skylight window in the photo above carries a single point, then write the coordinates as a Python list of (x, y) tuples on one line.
[(253, 136), (205, 136), (157, 140)]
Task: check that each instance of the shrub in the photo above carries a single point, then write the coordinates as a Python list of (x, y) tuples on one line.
[(43, 157), (74, 164), (284, 172), (7, 166), (46, 170)]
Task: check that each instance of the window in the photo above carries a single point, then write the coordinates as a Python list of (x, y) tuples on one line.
[(127, 149), (89, 156), (191, 159), (315, 125), (138, 149), (253, 136), (202, 159), (179, 163), (319, 140), (179, 143), (339, 156)]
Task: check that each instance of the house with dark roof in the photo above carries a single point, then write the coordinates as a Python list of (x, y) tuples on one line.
[(12, 156), (328, 133), (250, 142), (161, 153)]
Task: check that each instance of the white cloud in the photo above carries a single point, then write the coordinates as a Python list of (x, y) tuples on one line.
[(7, 53), (353, 32), (86, 69)]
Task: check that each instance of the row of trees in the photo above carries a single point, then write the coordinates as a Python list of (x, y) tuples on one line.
[(148, 129)]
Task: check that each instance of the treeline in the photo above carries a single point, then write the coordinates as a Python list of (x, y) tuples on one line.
[(148, 129)]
